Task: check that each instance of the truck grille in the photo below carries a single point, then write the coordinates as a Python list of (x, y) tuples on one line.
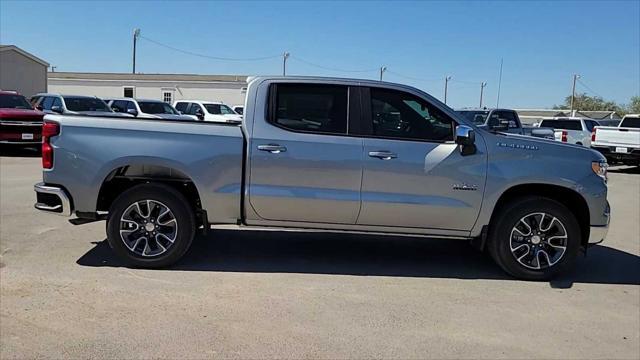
[(19, 131)]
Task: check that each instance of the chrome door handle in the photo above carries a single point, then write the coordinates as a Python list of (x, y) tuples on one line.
[(272, 148), (384, 155)]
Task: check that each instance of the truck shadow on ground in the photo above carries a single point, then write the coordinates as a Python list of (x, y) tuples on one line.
[(19, 151), (367, 255)]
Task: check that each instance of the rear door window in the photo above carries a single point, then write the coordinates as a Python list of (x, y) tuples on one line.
[(309, 108), (119, 106)]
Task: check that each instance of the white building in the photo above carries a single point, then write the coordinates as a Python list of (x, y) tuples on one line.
[(229, 89), (21, 71)]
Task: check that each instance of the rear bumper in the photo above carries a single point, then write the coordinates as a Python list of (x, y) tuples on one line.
[(597, 234), (610, 152), (52, 199)]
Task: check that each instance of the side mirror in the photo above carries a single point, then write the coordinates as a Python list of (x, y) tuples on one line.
[(56, 109), (39, 107), (115, 109), (133, 112), (466, 138), (200, 115)]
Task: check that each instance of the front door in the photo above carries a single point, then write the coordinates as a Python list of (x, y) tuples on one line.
[(414, 176), (304, 166)]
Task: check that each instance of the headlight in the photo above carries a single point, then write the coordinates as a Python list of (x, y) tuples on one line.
[(600, 168)]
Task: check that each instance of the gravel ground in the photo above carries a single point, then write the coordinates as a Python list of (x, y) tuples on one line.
[(268, 294)]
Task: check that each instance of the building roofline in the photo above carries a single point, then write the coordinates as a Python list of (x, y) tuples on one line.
[(24, 53), (153, 77)]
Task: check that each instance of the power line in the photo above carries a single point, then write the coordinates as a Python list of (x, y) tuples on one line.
[(208, 56), (467, 82), (588, 88), (412, 77), (332, 68)]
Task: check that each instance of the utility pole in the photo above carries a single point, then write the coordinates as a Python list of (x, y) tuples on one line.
[(446, 85), (499, 84), (482, 85), (285, 56), (136, 34), (382, 70), (53, 68), (573, 91)]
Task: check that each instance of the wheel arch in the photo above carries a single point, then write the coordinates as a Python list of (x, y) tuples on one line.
[(570, 198), (125, 176)]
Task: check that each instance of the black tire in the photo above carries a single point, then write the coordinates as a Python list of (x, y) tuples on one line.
[(159, 195), (502, 230)]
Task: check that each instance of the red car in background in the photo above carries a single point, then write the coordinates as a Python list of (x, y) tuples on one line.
[(19, 123)]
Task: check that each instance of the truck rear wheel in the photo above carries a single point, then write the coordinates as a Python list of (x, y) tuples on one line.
[(150, 225), (534, 238)]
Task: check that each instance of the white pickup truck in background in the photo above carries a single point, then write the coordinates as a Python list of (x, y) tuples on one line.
[(619, 144), (571, 130)]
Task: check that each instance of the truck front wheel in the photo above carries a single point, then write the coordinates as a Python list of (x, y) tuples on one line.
[(534, 238), (150, 225)]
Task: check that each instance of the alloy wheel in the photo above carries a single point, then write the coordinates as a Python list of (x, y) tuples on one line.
[(538, 240), (148, 228)]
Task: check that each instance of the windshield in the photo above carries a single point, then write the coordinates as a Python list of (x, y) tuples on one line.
[(9, 101), (154, 107), (85, 104), (631, 122), (477, 117), (219, 109)]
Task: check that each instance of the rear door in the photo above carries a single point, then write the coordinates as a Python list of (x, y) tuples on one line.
[(414, 175), (304, 165)]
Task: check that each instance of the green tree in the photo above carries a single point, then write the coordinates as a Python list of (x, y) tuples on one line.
[(585, 102), (634, 105)]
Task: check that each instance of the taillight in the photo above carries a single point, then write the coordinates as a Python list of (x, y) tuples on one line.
[(593, 135), (564, 136), (49, 129)]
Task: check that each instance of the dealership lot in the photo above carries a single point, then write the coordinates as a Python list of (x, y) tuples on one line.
[(266, 294)]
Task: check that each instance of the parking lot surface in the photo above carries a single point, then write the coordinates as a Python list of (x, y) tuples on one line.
[(267, 294)]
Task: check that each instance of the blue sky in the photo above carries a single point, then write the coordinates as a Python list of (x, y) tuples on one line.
[(542, 43)]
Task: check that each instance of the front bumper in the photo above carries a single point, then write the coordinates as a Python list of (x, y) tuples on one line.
[(597, 234), (20, 132), (52, 199)]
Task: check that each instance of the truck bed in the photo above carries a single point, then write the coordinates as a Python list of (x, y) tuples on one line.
[(90, 149)]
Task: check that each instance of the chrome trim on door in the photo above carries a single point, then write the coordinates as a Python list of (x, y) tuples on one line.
[(384, 155), (272, 148)]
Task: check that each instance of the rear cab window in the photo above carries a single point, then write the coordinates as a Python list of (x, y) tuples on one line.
[(631, 122), (562, 124)]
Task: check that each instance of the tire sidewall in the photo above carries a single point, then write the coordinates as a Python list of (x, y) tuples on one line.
[(500, 247), (175, 201)]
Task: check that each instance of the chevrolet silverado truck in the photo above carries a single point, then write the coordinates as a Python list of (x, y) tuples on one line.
[(621, 143), (328, 154)]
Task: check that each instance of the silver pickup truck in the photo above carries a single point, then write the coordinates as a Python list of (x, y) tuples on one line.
[(330, 154)]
